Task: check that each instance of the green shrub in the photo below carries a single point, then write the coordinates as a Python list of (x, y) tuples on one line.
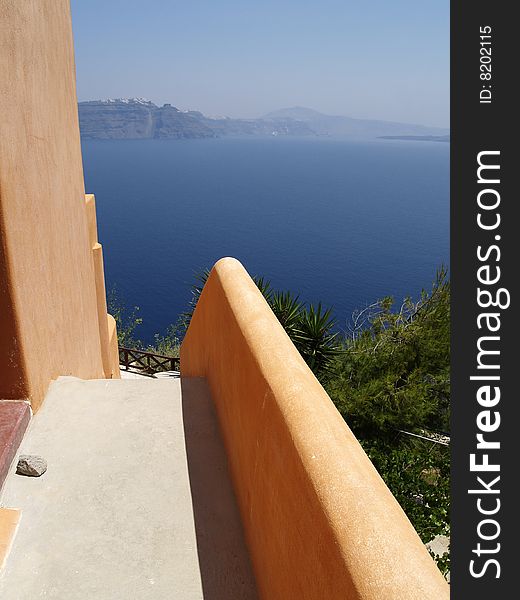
[(126, 321), (418, 474), (394, 372)]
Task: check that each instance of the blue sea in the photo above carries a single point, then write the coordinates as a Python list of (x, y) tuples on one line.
[(336, 221)]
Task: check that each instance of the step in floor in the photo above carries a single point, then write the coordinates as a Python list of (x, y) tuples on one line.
[(14, 418), (136, 502)]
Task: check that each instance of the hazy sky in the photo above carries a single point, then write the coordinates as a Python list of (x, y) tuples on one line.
[(379, 59)]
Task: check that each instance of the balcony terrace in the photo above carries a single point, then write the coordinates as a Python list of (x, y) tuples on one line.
[(240, 478)]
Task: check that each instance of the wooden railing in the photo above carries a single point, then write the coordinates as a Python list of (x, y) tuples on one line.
[(147, 362)]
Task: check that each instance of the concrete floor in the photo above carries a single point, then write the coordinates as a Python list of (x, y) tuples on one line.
[(136, 502)]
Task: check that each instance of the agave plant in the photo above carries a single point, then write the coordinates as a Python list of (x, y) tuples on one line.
[(265, 288), (288, 310), (314, 338), (310, 329)]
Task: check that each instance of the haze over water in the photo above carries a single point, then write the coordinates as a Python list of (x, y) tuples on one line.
[(335, 221)]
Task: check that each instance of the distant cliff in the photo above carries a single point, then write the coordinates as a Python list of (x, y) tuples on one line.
[(138, 119), (347, 127)]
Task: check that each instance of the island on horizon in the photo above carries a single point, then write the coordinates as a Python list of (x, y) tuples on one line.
[(417, 138), (138, 118)]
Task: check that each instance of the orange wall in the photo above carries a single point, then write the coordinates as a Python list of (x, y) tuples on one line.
[(319, 521), (107, 324), (48, 311)]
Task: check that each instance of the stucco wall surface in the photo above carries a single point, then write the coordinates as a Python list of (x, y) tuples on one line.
[(107, 324), (319, 520), (48, 313)]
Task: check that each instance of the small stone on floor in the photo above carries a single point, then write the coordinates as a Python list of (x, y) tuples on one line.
[(31, 465)]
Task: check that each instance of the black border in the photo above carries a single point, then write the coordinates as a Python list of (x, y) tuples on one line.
[(476, 127)]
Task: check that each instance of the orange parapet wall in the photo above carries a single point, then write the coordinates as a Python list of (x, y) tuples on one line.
[(319, 521), (49, 304), (107, 324)]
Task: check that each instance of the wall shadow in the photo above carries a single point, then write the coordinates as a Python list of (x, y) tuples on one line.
[(224, 563)]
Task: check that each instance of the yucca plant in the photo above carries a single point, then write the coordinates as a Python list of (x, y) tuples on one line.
[(265, 288), (310, 329), (288, 310), (314, 338)]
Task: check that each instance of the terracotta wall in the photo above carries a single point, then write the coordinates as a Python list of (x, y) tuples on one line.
[(319, 521), (48, 308), (107, 324)]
